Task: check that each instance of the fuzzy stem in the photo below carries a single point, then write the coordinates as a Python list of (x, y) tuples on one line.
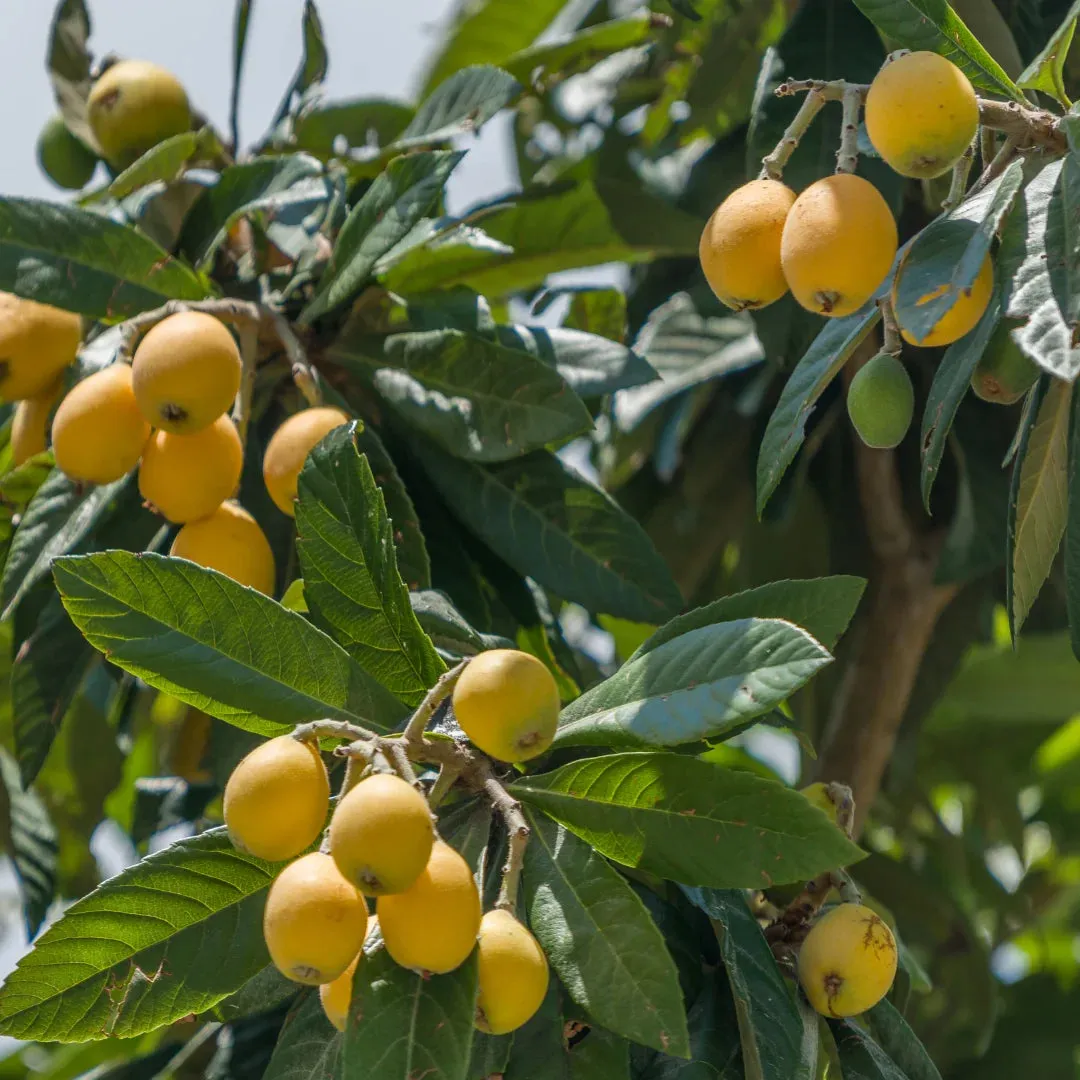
[(397, 754), (303, 373), (330, 729), (987, 145), (772, 165), (996, 167), (847, 157), (960, 173), (448, 775), (518, 831), (892, 343), (249, 348), (240, 313), (414, 730)]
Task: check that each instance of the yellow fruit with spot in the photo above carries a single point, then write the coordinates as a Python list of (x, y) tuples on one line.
[(921, 114), (231, 542), (186, 477), (848, 961), (187, 372), (838, 244), (36, 343), (315, 921), (288, 450), (961, 318), (133, 106), (30, 424), (1004, 374), (507, 703), (432, 926), (277, 799), (335, 997), (512, 974), (98, 432), (739, 248), (381, 835)]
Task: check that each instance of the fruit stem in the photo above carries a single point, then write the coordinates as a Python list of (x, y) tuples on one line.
[(448, 775), (443, 688), (518, 831), (240, 313), (892, 343), (847, 157), (303, 374), (960, 173), (249, 349), (997, 166), (397, 755), (331, 729), (772, 165)]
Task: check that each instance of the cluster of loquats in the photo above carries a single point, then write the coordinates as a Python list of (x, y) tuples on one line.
[(382, 845), (834, 245)]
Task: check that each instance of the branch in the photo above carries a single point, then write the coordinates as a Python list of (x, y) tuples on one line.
[(517, 829), (892, 342), (1008, 151), (240, 313), (397, 754), (960, 173), (448, 776), (249, 350), (847, 157), (302, 372), (443, 688), (331, 729), (772, 166)]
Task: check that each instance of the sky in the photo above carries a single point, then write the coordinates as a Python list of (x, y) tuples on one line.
[(376, 48)]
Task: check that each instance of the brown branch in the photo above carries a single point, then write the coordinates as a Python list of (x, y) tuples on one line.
[(517, 829), (443, 688)]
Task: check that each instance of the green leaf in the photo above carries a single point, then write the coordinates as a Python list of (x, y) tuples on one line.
[(860, 1057), (477, 399), (166, 161), (1039, 497), (404, 1025), (823, 607), (490, 1056), (313, 64), (217, 645), (598, 311), (538, 1051), (600, 940), (701, 684), (395, 202), (58, 518), (786, 429), (769, 1022), (1072, 529), (170, 936), (933, 26), (68, 63), (555, 527), (45, 676), (952, 380), (488, 32), (893, 1034), (689, 820), (241, 23), (351, 583), (462, 103), (568, 52), (448, 628), (944, 259), (68, 257), (1047, 71), (317, 129)]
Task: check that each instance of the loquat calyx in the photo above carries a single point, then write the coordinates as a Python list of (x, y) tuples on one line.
[(230, 541), (289, 447), (512, 974)]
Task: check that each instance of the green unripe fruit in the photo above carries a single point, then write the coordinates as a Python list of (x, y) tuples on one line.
[(881, 401), (66, 161), (1004, 374)]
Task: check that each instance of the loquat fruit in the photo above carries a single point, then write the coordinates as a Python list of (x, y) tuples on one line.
[(848, 961), (277, 799), (30, 424), (839, 242), (381, 835), (336, 997), (230, 541), (881, 402), (37, 341), (432, 926), (961, 318), (98, 432), (512, 974), (63, 158), (507, 702), (289, 447), (314, 922), (1004, 374), (133, 106), (187, 477), (187, 372), (921, 114), (739, 248)]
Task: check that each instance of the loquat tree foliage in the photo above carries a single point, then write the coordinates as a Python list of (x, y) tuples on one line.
[(484, 676)]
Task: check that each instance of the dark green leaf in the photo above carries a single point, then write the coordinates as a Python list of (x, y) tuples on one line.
[(699, 685), (823, 607), (586, 47), (539, 1050), (600, 940), (690, 821), (1072, 531), (860, 1057), (351, 580), (462, 103), (474, 397), (69, 66), (555, 527), (217, 645), (598, 311), (404, 1025), (822, 363), (934, 26), (1047, 71), (600, 1055), (893, 1034), (448, 628), (394, 203), (169, 936), (62, 255), (1038, 500), (313, 64), (490, 1056), (355, 121), (166, 161), (241, 22), (684, 7)]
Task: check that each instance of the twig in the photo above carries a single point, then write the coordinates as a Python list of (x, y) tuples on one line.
[(987, 145), (996, 167), (331, 729), (518, 830), (772, 165), (847, 157), (239, 312), (414, 730), (249, 349), (892, 342), (960, 173), (302, 372), (397, 754), (448, 775)]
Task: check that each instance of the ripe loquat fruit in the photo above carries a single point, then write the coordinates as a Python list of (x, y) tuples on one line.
[(507, 703), (187, 371), (133, 106), (37, 342), (961, 318), (314, 922), (30, 424), (98, 432), (277, 798), (739, 248), (881, 402), (513, 974), (839, 242), (1004, 374), (381, 835), (336, 997), (288, 450), (187, 477), (432, 926), (230, 541), (921, 114), (848, 961)]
